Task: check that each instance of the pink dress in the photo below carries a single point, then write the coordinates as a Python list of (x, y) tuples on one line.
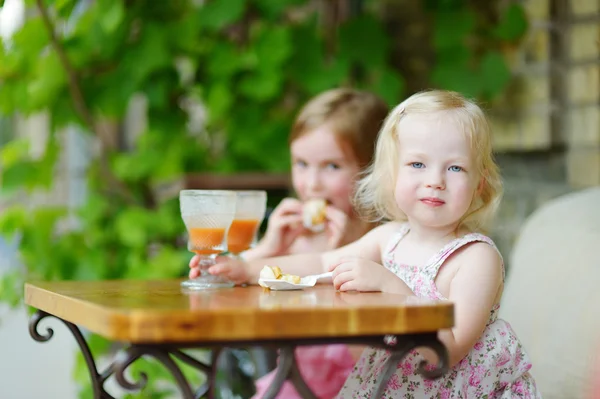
[(324, 368), (496, 367)]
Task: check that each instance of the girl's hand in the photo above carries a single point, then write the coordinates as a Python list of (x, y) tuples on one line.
[(337, 226), (285, 225), (359, 274), (233, 269)]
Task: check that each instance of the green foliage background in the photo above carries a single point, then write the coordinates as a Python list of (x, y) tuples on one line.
[(246, 64)]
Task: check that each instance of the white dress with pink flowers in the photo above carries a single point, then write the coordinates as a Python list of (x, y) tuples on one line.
[(496, 367)]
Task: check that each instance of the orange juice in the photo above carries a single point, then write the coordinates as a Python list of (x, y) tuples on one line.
[(241, 234), (204, 241)]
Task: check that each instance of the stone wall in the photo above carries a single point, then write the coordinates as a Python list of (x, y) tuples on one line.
[(547, 126)]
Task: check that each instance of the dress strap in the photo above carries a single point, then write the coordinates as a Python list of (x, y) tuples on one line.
[(388, 253), (438, 260)]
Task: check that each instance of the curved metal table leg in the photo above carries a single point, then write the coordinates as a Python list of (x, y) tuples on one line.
[(96, 378), (398, 352), (288, 369), (163, 353)]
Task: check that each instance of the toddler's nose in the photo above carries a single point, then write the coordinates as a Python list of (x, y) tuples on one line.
[(436, 181)]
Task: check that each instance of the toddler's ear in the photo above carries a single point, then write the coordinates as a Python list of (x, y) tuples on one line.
[(481, 184)]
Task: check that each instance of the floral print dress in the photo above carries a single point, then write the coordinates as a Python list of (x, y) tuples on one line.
[(496, 367)]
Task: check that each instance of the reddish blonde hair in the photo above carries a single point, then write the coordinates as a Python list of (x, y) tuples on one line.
[(354, 116)]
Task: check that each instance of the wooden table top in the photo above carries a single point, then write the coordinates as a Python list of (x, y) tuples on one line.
[(158, 311)]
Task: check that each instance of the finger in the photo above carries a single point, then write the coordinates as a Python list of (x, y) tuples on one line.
[(195, 272), (336, 264), (222, 259), (341, 268), (194, 261), (288, 205), (219, 269), (292, 221), (348, 286), (342, 279)]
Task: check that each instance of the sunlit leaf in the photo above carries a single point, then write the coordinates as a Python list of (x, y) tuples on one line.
[(216, 14), (11, 287), (272, 47), (262, 85), (13, 151), (31, 38), (224, 61), (131, 226), (50, 78), (168, 263), (219, 99), (113, 15), (12, 220)]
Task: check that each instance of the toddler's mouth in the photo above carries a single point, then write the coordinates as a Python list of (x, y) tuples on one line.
[(432, 201)]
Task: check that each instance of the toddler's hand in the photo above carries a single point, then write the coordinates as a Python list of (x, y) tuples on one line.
[(230, 268), (285, 225), (337, 226), (358, 274)]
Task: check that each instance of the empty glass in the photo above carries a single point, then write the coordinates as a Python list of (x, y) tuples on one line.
[(207, 215), (250, 210)]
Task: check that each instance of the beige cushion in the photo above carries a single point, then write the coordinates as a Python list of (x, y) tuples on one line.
[(552, 293)]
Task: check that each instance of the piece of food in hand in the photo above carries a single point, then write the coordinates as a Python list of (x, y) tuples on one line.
[(314, 214), (274, 273)]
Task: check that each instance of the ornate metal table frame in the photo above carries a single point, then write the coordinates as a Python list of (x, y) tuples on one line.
[(399, 346)]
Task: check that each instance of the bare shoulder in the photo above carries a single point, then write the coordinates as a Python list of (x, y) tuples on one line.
[(481, 258)]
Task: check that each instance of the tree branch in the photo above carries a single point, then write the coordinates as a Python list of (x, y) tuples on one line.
[(81, 107)]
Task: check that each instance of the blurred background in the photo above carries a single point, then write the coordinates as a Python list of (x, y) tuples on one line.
[(109, 107)]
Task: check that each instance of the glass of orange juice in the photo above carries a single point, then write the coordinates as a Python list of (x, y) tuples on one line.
[(207, 215), (250, 210)]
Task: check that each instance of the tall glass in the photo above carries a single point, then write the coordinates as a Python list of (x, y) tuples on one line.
[(207, 215), (250, 210)]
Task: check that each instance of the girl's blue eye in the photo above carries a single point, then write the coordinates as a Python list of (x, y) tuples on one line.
[(333, 166), (417, 165), (455, 168), (301, 164)]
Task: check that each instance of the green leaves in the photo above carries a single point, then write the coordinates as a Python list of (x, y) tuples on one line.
[(495, 74), (513, 23), (363, 39), (132, 226), (113, 15), (19, 170), (11, 287), (48, 80), (468, 55), (216, 14), (452, 28)]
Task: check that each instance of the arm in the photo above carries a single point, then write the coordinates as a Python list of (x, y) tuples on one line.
[(473, 290), (303, 264)]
